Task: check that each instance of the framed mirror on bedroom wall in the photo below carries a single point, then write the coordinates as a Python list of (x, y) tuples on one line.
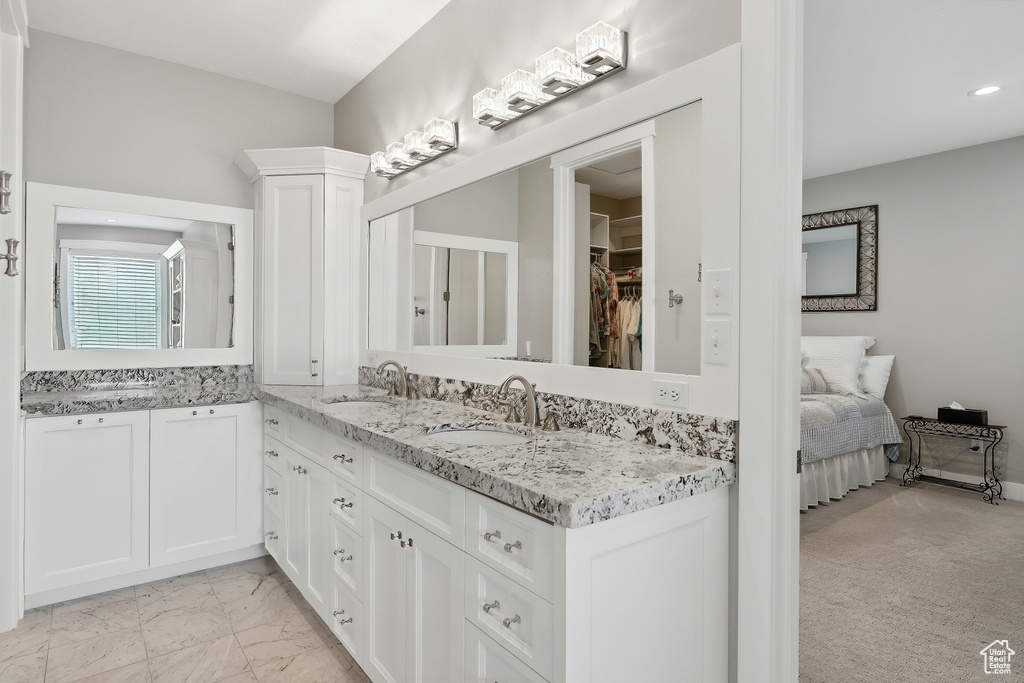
[(475, 272), (840, 260)]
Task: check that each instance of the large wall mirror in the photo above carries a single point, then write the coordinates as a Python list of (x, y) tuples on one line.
[(475, 272), (840, 260), (127, 281)]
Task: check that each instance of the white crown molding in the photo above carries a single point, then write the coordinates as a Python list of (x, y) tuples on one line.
[(256, 163)]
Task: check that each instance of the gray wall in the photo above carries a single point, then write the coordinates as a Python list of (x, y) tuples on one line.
[(106, 119), (471, 44), (536, 240), (487, 208), (831, 267), (950, 294)]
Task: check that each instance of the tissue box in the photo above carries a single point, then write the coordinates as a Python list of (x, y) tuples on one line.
[(968, 416)]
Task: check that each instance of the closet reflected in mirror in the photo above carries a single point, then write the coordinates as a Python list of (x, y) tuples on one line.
[(132, 281)]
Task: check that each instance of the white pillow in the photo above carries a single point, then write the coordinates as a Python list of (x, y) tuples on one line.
[(875, 375), (839, 359)]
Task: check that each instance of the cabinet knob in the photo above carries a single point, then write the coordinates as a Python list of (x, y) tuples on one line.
[(396, 535), (406, 544), (101, 420), (488, 606), (508, 621)]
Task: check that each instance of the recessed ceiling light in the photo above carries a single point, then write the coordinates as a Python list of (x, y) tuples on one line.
[(987, 90)]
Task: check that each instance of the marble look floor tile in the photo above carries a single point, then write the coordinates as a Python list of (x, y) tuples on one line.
[(316, 666), (183, 627), (31, 636), (70, 627), (94, 656), (133, 673), (246, 586), (24, 669), (279, 640), (247, 677), (348, 664), (261, 566), (205, 663), (181, 591), (262, 607), (94, 600)]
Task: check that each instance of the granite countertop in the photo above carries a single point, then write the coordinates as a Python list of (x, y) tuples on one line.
[(571, 478), (145, 397)]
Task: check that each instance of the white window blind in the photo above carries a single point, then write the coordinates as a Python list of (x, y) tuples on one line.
[(114, 300)]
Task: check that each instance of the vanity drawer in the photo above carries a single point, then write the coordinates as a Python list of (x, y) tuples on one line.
[(518, 620), (347, 556), (488, 662), (272, 454), (430, 501), (306, 439), (274, 422), (273, 527), (273, 487), (346, 457), (347, 504), (519, 546), (346, 618)]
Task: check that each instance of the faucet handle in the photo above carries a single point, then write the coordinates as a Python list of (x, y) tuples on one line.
[(551, 422), (513, 412)]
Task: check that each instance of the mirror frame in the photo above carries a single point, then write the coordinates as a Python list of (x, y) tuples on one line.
[(866, 298), (511, 252), (715, 81), (41, 203)]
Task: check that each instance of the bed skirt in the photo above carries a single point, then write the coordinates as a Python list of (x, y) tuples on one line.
[(833, 478)]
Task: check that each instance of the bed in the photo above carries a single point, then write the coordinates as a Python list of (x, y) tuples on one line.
[(847, 434), (845, 442)]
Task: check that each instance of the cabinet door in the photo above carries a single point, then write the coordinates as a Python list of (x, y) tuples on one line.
[(292, 292), (343, 198), (205, 465), (435, 579), (295, 542), (318, 516), (86, 498), (385, 596)]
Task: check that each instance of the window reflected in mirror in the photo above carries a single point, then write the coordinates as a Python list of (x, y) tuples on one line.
[(131, 281)]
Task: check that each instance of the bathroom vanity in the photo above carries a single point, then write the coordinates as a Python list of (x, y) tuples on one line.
[(553, 556)]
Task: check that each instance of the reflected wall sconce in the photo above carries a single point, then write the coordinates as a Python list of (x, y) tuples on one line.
[(600, 52), (436, 139)]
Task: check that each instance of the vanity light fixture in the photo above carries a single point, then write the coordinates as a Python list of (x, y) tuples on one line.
[(987, 90), (600, 52), (437, 138)]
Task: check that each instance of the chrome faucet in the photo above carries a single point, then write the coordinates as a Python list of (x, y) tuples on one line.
[(531, 415), (401, 387)]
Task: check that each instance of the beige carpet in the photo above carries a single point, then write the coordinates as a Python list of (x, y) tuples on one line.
[(909, 585)]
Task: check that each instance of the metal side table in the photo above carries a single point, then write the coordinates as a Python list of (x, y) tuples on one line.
[(990, 487)]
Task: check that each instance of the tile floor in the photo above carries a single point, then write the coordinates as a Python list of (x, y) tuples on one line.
[(241, 623)]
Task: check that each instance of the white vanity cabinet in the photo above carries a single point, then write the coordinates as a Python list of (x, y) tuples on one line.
[(204, 463), (306, 494), (116, 499), (307, 215), (86, 498)]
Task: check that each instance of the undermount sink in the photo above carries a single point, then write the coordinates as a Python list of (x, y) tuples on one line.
[(478, 435)]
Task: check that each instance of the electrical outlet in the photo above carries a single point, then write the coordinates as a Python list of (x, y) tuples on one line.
[(674, 394), (976, 444), (371, 357), (716, 342)]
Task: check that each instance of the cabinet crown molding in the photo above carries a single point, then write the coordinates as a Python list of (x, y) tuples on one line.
[(256, 163)]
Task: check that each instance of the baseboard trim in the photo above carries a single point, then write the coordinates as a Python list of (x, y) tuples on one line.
[(1012, 490), (145, 576)]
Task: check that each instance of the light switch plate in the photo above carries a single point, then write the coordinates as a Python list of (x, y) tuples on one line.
[(716, 342), (717, 291), (672, 394)]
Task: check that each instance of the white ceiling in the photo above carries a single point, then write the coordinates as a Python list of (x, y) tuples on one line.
[(888, 79), (618, 177), (70, 215), (316, 48)]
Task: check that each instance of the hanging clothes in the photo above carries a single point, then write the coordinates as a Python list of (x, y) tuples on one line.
[(604, 315)]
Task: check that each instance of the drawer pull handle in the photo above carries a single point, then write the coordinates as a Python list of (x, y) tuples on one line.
[(396, 535), (406, 544), (342, 458), (271, 421), (508, 621), (272, 535), (518, 545), (491, 605), (342, 559), (272, 491), (342, 504), (338, 612), (272, 454), (345, 621), (300, 469), (489, 535)]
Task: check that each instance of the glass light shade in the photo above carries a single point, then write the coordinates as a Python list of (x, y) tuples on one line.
[(490, 107), (558, 72), (522, 91), (397, 158), (379, 165), (600, 48), (441, 134), (418, 147)]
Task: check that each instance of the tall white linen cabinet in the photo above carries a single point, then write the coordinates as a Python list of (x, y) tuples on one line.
[(307, 263)]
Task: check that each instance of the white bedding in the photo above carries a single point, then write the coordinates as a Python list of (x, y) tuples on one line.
[(832, 478)]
